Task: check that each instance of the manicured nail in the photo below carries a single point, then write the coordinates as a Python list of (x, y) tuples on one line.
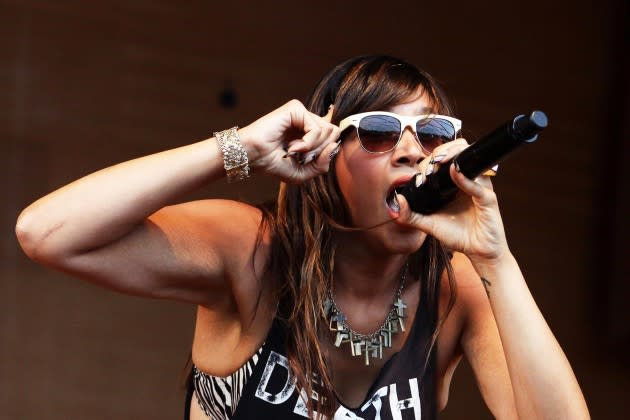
[(308, 158), (419, 179), (289, 154), (438, 158), (457, 168), (429, 169), (335, 151), (492, 171)]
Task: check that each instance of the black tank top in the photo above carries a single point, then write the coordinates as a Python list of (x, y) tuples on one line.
[(404, 388)]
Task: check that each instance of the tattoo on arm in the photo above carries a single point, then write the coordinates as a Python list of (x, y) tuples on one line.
[(486, 284)]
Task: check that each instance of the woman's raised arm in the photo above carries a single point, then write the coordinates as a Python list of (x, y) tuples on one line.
[(112, 227), (505, 332)]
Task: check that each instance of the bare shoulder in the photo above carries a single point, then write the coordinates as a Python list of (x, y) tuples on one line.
[(228, 236), (471, 301), (232, 323), (466, 285), (479, 339), (223, 222), (464, 271)]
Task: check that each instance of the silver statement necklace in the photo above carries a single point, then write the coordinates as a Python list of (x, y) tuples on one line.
[(368, 345)]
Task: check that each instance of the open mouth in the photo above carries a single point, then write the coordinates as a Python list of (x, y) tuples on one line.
[(395, 189)]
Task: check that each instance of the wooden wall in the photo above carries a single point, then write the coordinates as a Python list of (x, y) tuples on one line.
[(85, 84)]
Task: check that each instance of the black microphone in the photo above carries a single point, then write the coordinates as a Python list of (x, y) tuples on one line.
[(438, 188)]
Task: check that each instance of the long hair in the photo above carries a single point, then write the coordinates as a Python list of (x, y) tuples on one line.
[(304, 220)]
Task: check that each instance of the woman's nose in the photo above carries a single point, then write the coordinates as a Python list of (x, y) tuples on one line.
[(409, 150)]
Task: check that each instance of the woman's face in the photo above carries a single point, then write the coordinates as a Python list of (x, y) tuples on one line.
[(367, 179)]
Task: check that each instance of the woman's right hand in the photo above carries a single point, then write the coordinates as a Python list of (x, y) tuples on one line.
[(290, 128)]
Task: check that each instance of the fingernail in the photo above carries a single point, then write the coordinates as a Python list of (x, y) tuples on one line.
[(308, 158), (457, 168), (438, 158), (419, 179), (429, 169), (289, 154), (335, 151)]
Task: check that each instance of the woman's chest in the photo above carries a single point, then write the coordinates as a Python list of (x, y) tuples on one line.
[(413, 354)]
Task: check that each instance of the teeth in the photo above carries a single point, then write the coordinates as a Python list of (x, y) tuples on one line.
[(396, 203), (392, 202)]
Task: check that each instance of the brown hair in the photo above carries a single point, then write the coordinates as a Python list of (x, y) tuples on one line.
[(304, 245)]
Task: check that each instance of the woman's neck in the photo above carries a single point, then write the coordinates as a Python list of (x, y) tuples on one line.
[(364, 275)]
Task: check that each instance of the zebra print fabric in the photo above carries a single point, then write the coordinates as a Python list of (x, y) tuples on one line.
[(217, 396)]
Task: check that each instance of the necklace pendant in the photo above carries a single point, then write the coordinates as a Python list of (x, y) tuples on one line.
[(331, 324), (370, 345), (337, 322), (342, 337), (393, 325), (402, 324), (400, 307), (376, 346), (399, 314), (355, 346), (386, 335)]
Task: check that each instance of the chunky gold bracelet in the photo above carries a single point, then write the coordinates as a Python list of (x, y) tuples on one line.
[(234, 155)]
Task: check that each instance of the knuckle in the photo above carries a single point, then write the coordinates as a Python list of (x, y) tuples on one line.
[(295, 104), (442, 148)]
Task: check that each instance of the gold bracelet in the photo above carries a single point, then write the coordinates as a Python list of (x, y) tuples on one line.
[(235, 159)]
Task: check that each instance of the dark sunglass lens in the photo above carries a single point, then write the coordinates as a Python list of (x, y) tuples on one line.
[(379, 133), (434, 132)]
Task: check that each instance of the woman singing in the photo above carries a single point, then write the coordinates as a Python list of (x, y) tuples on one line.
[(337, 299)]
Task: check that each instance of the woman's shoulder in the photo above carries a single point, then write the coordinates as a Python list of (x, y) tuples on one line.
[(468, 288), (232, 231), (463, 269), (213, 209), (450, 349), (214, 218), (471, 310)]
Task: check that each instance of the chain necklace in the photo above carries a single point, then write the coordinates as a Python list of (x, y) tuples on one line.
[(368, 345)]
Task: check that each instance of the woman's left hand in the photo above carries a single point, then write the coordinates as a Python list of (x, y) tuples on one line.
[(471, 223)]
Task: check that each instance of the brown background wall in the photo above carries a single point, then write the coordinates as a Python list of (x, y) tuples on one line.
[(86, 84)]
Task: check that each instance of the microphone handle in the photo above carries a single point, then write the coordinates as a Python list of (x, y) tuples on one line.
[(438, 188)]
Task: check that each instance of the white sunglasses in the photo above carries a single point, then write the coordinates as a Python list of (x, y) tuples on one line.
[(380, 131)]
